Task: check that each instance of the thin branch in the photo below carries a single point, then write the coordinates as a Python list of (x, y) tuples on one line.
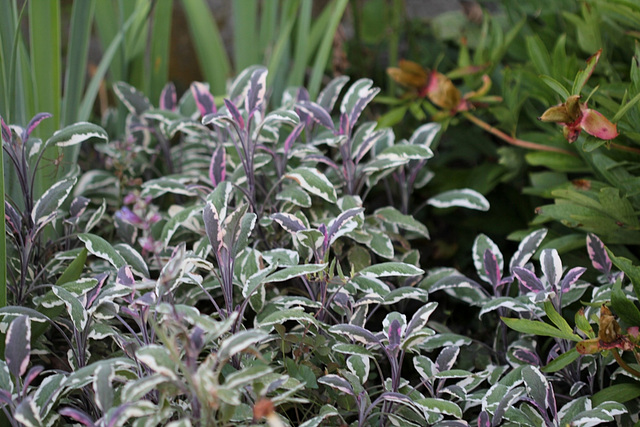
[(514, 141)]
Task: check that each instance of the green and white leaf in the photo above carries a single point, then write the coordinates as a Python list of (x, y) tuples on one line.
[(52, 199), (99, 247), (158, 359), (239, 342), (391, 215), (75, 308), (314, 182), (390, 269), (76, 133), (464, 198)]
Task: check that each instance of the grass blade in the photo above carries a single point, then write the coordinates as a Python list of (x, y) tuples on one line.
[(337, 9), (44, 33), (300, 57), (212, 56), (245, 48), (160, 44)]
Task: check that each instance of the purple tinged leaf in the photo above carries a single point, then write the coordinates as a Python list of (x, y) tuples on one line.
[(135, 101), (293, 136), (356, 333), (12, 217), (327, 98), (35, 121), (527, 356), (483, 419), (77, 415), (570, 278), (551, 267), (316, 112), (235, 113), (93, 293), (491, 268), (447, 358), (360, 105), (598, 255), (338, 383), (217, 168), (78, 206), (323, 229), (31, 375), (528, 279), (18, 345), (169, 97), (394, 334), (551, 402), (204, 100), (319, 158), (6, 131), (289, 222), (368, 144), (344, 124), (129, 216), (257, 89), (527, 248), (125, 276), (212, 227), (336, 224)]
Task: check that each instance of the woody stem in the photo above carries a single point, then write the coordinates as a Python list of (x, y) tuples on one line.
[(623, 364), (624, 148), (511, 140)]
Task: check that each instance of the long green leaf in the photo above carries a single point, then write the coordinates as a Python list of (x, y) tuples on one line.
[(3, 238), (337, 8), (212, 56), (44, 26), (77, 53), (539, 328), (245, 48), (296, 77), (160, 45)]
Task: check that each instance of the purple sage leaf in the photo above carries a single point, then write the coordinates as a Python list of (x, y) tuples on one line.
[(491, 268), (257, 89), (394, 334), (35, 121), (18, 345), (169, 97), (570, 278), (598, 255), (483, 419), (6, 131), (289, 222), (204, 100), (528, 279), (77, 415), (316, 112), (212, 226), (217, 167), (235, 113)]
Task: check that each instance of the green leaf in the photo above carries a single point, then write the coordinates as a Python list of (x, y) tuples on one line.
[(562, 361), (391, 215), (556, 86), (440, 406), (51, 200), (556, 161), (465, 198), (314, 182), (620, 393), (99, 247), (387, 269), (158, 359), (539, 328), (212, 55), (75, 134), (294, 271), (556, 318), (630, 270), (77, 313), (239, 342), (623, 306)]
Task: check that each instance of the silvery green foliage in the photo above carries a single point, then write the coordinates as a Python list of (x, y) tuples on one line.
[(29, 214)]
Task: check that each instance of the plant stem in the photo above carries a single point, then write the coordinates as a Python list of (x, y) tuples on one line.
[(513, 141), (624, 148), (623, 364)]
